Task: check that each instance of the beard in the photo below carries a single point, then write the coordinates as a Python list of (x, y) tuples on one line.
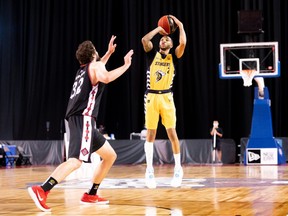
[(164, 48)]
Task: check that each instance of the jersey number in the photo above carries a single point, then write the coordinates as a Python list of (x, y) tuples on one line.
[(77, 87)]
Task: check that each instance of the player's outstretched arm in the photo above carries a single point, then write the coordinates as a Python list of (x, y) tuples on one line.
[(104, 76), (111, 49), (146, 40)]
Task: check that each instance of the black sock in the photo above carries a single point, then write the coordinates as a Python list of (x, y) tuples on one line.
[(93, 190), (49, 184)]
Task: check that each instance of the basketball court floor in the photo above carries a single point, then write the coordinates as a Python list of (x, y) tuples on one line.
[(206, 190)]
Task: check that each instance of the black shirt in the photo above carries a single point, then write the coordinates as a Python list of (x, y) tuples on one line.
[(84, 98)]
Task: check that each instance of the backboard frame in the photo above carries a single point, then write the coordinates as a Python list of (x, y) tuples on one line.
[(225, 74)]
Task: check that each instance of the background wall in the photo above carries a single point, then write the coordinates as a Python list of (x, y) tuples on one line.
[(38, 40)]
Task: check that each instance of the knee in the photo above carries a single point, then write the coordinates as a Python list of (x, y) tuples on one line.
[(113, 156), (74, 163), (109, 157)]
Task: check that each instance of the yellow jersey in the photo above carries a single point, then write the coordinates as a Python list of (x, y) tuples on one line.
[(161, 72)]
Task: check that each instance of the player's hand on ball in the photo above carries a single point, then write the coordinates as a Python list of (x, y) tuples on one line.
[(162, 31), (176, 21)]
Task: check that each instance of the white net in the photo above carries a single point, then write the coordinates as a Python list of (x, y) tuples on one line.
[(247, 76)]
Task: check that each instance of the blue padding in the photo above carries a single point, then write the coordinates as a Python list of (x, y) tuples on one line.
[(261, 130), (261, 120)]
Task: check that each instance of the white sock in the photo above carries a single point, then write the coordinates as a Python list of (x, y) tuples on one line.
[(148, 148), (177, 158)]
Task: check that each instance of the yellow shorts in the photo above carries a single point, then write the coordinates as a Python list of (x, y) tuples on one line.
[(160, 105)]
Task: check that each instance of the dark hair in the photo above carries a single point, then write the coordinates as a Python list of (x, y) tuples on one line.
[(85, 52), (166, 36)]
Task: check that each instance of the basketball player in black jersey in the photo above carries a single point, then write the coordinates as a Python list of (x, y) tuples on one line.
[(159, 98), (81, 114)]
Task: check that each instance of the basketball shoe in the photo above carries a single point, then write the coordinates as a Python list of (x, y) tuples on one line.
[(39, 196), (93, 199), (150, 179), (177, 177)]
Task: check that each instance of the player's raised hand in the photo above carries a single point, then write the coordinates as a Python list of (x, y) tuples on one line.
[(111, 45), (128, 58), (177, 21)]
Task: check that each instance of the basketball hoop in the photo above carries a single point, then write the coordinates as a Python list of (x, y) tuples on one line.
[(248, 75)]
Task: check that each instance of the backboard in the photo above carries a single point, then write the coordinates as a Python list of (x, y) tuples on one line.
[(261, 57)]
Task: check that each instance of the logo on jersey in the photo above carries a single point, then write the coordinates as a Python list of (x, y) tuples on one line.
[(159, 74), (163, 64), (84, 151)]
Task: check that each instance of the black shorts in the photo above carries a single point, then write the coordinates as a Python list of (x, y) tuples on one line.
[(218, 146), (84, 138)]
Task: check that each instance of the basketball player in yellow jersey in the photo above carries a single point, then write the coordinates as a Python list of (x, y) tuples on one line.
[(159, 98)]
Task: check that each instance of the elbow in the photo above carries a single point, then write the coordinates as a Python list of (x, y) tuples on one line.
[(144, 41), (106, 80), (182, 43)]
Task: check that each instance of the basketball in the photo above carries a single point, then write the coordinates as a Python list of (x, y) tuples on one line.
[(168, 24)]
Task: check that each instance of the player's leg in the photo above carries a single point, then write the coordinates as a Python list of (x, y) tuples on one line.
[(172, 135), (39, 193), (168, 115), (178, 171), (149, 150), (102, 147), (108, 156), (151, 123), (148, 147)]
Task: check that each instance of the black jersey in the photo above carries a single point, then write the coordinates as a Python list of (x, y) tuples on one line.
[(84, 98)]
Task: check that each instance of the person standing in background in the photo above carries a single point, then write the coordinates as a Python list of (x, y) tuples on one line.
[(216, 134)]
